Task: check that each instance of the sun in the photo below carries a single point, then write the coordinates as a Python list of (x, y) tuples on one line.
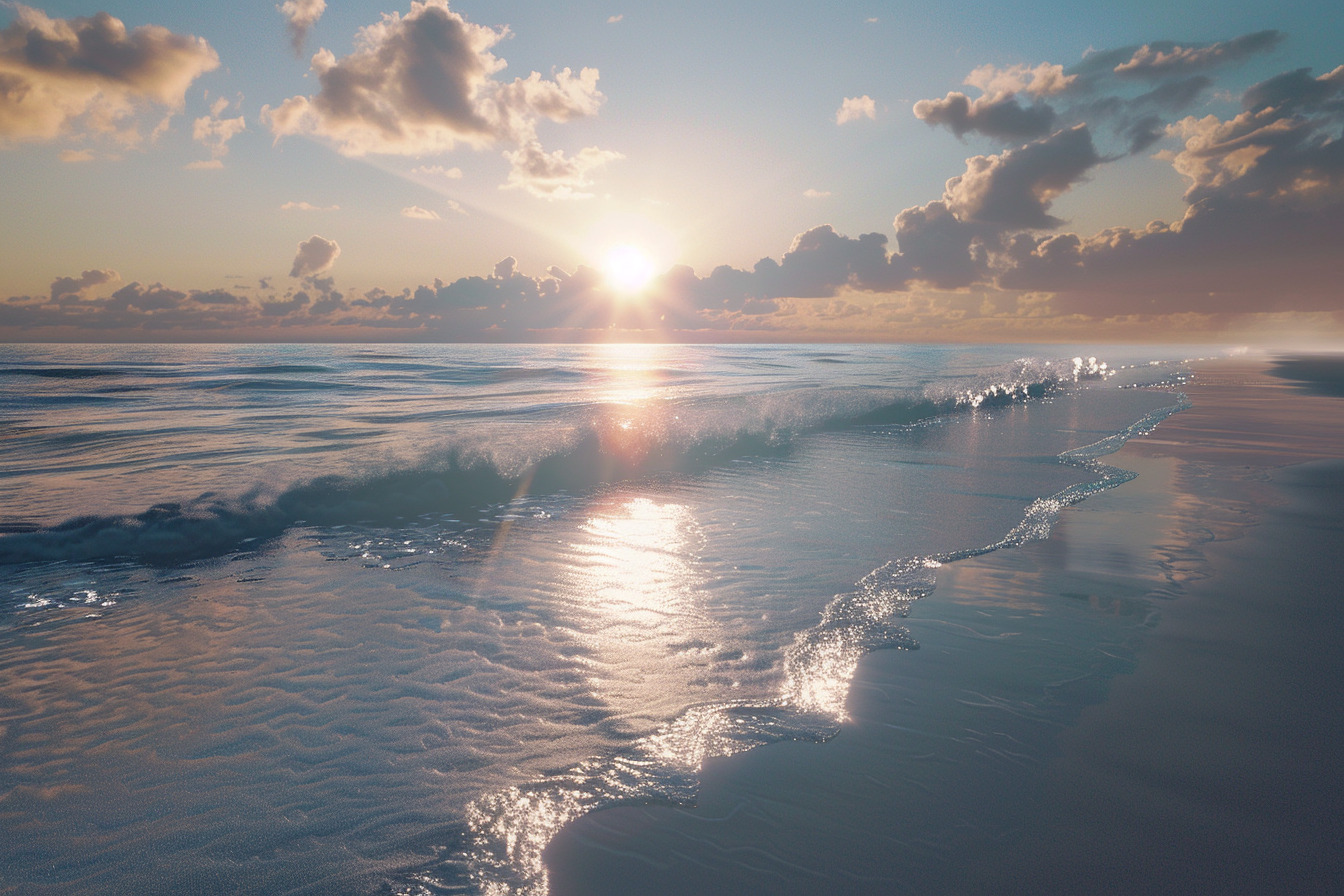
[(628, 269)]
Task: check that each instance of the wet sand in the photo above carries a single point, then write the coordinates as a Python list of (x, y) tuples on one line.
[(1147, 702)]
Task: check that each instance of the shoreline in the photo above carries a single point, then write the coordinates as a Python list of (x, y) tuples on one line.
[(1191, 750)]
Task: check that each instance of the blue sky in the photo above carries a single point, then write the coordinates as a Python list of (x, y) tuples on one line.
[(700, 137)]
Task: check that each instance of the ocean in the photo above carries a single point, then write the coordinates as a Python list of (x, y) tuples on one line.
[(384, 619)]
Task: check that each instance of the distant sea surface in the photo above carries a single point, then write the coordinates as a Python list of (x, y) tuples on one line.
[(342, 619)]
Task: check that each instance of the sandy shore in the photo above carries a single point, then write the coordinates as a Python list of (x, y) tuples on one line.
[(1148, 701)]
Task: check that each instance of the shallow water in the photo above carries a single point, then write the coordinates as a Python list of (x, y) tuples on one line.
[(343, 620)]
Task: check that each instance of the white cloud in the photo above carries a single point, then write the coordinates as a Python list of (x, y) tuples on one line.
[(553, 175), (204, 165), (301, 15), (612, 20), (816, 194), (855, 108), (58, 76), (420, 214), (215, 132), (314, 256), (308, 207), (438, 170), (424, 82), (1042, 80)]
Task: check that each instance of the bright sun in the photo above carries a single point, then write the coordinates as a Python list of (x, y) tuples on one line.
[(628, 269)]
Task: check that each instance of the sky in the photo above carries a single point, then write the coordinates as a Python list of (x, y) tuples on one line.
[(695, 172)]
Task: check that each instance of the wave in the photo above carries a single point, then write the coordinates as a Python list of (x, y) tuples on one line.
[(510, 829), (617, 443)]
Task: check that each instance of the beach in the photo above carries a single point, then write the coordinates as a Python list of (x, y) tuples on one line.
[(1146, 701)]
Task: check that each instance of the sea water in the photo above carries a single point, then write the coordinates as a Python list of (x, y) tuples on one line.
[(360, 619)]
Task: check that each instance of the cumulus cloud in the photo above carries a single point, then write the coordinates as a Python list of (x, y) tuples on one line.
[(420, 214), (300, 16), (424, 82), (315, 255), (75, 287), (998, 116), (1042, 80), (856, 108), (1266, 194), (1014, 189), (553, 175), (62, 76), (215, 132)]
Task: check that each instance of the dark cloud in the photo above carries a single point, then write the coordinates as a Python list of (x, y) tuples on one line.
[(1164, 59), (1014, 189), (54, 72), (1001, 117), (1297, 91), (73, 287), (314, 256)]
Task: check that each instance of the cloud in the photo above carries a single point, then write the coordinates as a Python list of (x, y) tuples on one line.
[(612, 20), (74, 287), (308, 207), (1042, 80), (1297, 91), (420, 214), (215, 132), (855, 108), (205, 165), (1162, 59), (424, 82), (553, 175), (816, 194), (63, 76), (76, 155), (998, 116), (1014, 189), (300, 16), (439, 171), (315, 255)]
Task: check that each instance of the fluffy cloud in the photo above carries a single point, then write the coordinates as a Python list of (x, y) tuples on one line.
[(994, 116), (58, 76), (301, 15), (424, 82), (420, 214), (856, 108), (63, 288), (1042, 80), (215, 132), (315, 255), (816, 194), (1014, 189), (553, 175), (1266, 194)]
